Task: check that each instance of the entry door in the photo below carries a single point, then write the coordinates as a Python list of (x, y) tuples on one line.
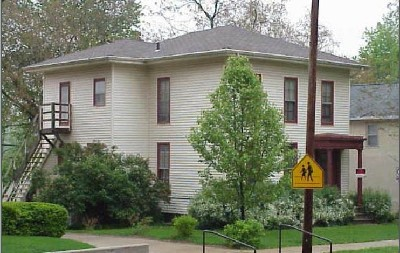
[(321, 157), (64, 101)]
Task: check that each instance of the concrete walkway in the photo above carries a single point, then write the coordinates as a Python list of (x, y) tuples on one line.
[(177, 247)]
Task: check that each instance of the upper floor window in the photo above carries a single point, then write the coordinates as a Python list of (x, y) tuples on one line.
[(327, 101), (99, 92), (163, 100), (163, 161), (372, 135), (290, 106)]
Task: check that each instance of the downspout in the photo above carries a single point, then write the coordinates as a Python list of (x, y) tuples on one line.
[(112, 84)]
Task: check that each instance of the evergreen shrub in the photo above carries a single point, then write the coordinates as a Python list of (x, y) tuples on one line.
[(184, 225), (247, 231), (34, 219)]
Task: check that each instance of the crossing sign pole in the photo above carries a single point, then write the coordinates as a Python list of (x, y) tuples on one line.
[(312, 80)]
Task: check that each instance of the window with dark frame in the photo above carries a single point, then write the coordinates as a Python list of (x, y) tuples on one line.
[(327, 102), (290, 97), (64, 103), (163, 100), (372, 135), (163, 161), (259, 77), (99, 92)]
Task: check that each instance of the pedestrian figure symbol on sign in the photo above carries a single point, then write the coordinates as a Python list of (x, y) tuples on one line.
[(309, 172), (303, 172)]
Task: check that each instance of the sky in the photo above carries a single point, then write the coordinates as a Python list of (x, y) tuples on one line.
[(347, 19)]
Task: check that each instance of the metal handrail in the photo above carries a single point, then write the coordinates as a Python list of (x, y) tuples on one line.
[(21, 155), (226, 237), (301, 230)]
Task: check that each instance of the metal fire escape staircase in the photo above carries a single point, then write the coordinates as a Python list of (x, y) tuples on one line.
[(35, 149)]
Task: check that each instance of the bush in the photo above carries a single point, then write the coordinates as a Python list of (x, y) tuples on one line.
[(210, 210), (184, 225), (34, 219), (247, 231), (99, 186), (377, 205)]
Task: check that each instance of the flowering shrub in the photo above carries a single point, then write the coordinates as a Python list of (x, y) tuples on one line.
[(210, 211), (329, 208), (377, 205), (247, 231)]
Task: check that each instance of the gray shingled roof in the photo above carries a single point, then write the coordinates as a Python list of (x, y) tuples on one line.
[(374, 101), (221, 39)]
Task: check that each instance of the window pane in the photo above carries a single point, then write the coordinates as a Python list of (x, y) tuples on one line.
[(290, 105), (327, 102), (372, 135), (99, 93), (163, 100), (163, 162)]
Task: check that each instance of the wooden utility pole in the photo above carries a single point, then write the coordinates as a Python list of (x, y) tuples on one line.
[(312, 80)]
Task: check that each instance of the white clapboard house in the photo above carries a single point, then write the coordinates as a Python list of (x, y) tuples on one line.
[(144, 98)]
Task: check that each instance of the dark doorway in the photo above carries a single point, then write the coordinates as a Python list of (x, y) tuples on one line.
[(333, 177)]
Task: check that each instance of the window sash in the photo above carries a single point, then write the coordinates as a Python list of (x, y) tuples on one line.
[(163, 100), (99, 93), (372, 135), (163, 161), (327, 103), (64, 99), (290, 99)]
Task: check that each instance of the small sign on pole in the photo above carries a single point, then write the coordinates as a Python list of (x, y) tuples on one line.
[(360, 172), (307, 174)]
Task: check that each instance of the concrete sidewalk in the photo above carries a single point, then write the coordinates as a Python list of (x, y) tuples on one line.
[(178, 247)]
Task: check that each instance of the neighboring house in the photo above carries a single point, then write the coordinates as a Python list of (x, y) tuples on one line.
[(374, 113), (144, 98)]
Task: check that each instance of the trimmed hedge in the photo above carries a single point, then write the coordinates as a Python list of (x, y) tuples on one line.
[(34, 219)]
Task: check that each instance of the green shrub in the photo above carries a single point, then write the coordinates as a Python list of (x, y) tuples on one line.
[(184, 225), (377, 205), (247, 231), (99, 186), (33, 218)]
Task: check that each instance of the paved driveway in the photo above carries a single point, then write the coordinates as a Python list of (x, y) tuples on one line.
[(178, 247)]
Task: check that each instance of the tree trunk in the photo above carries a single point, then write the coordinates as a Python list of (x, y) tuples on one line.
[(241, 196)]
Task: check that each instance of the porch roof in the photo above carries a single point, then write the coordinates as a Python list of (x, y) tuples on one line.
[(338, 141)]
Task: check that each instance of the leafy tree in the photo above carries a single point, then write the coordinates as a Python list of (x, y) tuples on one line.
[(241, 136), (33, 31), (98, 184), (381, 52), (266, 17)]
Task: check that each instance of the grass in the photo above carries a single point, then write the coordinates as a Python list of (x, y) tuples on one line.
[(37, 244), (372, 250), (338, 234)]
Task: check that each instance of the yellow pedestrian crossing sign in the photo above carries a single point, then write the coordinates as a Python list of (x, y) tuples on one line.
[(307, 174)]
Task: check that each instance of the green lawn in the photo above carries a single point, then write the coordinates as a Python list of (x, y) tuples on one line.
[(37, 244), (338, 234), (372, 250)]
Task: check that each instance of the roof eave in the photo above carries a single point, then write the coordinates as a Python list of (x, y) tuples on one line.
[(375, 118), (131, 60), (80, 62)]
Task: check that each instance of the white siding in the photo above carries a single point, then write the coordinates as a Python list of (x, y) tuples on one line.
[(129, 119), (89, 123), (190, 85), (129, 111)]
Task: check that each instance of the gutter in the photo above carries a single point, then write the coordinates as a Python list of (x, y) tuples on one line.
[(376, 118)]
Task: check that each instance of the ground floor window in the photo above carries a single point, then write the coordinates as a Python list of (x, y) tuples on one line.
[(163, 161)]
